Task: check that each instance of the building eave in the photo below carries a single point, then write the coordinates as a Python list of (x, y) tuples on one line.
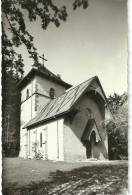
[(45, 121), (34, 72), (49, 112)]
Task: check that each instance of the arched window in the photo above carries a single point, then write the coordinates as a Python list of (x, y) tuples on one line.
[(27, 94), (52, 93)]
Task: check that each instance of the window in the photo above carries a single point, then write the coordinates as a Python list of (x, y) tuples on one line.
[(40, 139), (27, 94), (52, 93)]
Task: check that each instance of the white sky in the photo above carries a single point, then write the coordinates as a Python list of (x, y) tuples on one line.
[(91, 42)]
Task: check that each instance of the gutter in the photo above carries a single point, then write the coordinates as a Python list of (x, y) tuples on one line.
[(45, 120)]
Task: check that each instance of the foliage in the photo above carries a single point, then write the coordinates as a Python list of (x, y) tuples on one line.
[(10, 117), (115, 101), (117, 128), (37, 154), (15, 33)]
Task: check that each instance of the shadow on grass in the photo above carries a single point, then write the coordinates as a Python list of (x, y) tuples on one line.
[(100, 179)]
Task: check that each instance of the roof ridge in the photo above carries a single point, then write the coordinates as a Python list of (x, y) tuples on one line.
[(79, 84), (46, 73)]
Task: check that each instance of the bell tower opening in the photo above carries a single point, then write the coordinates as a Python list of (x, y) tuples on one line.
[(52, 93)]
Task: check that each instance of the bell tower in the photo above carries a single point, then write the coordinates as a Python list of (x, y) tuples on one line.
[(37, 88)]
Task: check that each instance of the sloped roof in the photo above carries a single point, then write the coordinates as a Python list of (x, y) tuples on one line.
[(45, 73), (60, 105)]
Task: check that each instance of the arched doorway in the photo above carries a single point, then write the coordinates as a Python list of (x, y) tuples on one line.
[(89, 138), (92, 144)]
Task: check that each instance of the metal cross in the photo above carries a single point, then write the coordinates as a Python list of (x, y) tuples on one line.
[(43, 59)]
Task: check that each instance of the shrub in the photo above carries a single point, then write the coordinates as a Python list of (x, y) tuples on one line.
[(117, 129)]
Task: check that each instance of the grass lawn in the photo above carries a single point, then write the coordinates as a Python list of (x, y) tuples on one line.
[(38, 177)]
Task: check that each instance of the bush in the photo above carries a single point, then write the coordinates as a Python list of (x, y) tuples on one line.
[(117, 129), (117, 142), (37, 153)]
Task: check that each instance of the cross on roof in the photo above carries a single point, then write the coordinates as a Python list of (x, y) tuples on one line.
[(43, 59)]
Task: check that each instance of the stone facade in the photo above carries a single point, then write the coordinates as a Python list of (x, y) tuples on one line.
[(46, 140), (62, 138), (77, 134), (33, 97), (74, 147)]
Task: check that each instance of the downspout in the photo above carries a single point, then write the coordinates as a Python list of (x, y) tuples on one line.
[(57, 140)]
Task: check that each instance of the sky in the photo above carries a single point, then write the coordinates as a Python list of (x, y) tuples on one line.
[(91, 42)]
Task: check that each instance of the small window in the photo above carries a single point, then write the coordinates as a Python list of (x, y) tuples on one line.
[(27, 94), (52, 93), (40, 139)]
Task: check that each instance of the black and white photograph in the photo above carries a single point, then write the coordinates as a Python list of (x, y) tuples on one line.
[(64, 97)]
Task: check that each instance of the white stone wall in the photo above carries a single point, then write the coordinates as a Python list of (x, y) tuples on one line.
[(74, 150), (38, 97), (30, 87), (23, 143), (61, 139), (40, 101), (52, 139), (55, 140), (27, 113), (44, 86), (73, 130)]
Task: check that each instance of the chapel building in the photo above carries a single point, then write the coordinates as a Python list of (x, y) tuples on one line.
[(61, 122)]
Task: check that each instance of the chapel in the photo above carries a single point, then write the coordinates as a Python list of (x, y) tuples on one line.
[(61, 122)]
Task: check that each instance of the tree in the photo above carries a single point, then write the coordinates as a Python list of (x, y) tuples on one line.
[(117, 128), (15, 34), (13, 21), (114, 102)]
